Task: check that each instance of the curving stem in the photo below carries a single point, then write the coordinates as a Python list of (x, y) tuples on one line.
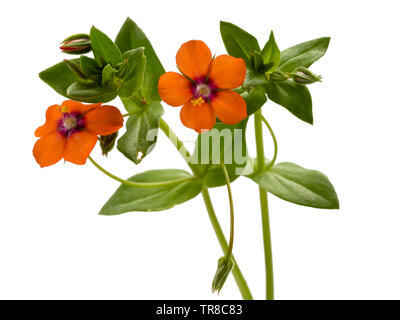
[(237, 273)]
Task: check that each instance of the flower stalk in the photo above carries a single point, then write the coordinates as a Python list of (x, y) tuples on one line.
[(237, 273), (226, 264), (269, 273)]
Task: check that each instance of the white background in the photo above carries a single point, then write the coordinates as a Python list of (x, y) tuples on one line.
[(54, 245)]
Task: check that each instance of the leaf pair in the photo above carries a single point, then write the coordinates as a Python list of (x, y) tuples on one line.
[(295, 98)]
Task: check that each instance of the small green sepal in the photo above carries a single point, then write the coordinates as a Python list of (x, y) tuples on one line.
[(225, 266), (278, 76), (304, 76), (107, 143)]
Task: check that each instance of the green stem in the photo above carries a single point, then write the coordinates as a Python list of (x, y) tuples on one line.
[(271, 164), (240, 280), (137, 184), (232, 213), (237, 273), (264, 208), (228, 185)]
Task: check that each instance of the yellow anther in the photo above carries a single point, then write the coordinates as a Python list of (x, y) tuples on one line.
[(197, 102), (64, 109)]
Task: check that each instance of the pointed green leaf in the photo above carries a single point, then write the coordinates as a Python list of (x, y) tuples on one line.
[(108, 74), (271, 54), (135, 69), (141, 133), (295, 184), (91, 92), (128, 198), (59, 77), (91, 69), (104, 50), (238, 43), (131, 105), (131, 37), (303, 54), (295, 98)]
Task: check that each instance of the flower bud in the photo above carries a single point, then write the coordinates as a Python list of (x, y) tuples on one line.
[(107, 143), (225, 266), (76, 44), (278, 76), (304, 76)]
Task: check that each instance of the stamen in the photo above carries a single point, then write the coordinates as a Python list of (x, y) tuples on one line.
[(203, 90), (64, 109), (70, 123), (197, 102)]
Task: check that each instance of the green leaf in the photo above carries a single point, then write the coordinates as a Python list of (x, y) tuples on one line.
[(295, 98), (141, 133), (91, 92), (295, 184), (104, 50), (108, 74), (128, 198), (303, 54), (238, 43), (59, 77), (135, 69), (254, 78), (75, 67), (271, 54), (255, 99), (131, 37), (225, 143), (91, 69), (131, 105)]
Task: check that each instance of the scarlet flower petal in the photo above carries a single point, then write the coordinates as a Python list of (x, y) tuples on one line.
[(227, 72), (53, 115), (49, 149), (104, 120), (174, 89), (200, 118), (229, 107), (75, 106), (193, 59), (78, 147)]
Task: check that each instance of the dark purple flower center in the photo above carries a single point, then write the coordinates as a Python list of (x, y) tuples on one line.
[(71, 123), (203, 90)]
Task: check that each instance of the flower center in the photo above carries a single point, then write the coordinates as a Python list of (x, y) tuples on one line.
[(202, 93), (70, 123), (203, 90)]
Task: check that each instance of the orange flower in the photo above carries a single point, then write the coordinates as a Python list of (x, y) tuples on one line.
[(203, 87), (71, 130)]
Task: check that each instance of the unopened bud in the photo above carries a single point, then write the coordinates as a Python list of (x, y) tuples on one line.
[(304, 76), (278, 76), (225, 266), (107, 143), (76, 44)]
